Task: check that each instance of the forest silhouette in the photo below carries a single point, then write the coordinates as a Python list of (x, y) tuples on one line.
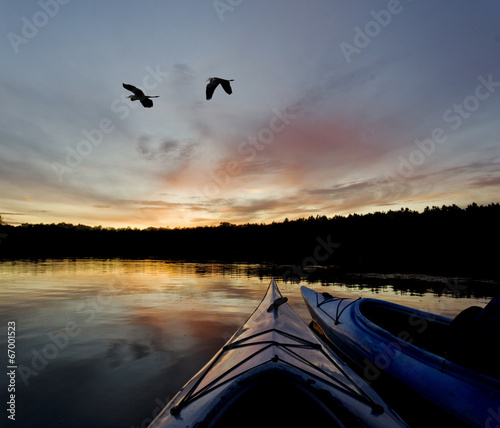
[(446, 240)]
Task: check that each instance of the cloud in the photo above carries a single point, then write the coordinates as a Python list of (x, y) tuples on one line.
[(188, 158), (342, 189), (169, 150), (183, 74), (487, 182), (304, 152)]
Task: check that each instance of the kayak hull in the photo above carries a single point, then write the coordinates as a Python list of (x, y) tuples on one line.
[(274, 371), (467, 395)]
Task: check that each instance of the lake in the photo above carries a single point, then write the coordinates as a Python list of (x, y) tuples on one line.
[(107, 343)]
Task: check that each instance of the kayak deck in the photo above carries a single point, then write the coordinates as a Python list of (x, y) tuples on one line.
[(276, 371), (406, 348)]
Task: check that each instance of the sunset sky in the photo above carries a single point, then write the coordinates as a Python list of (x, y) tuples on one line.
[(338, 107)]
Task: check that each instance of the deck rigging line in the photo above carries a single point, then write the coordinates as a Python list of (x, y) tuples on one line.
[(350, 389), (335, 299)]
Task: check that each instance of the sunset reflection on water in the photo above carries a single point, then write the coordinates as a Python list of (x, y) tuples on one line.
[(107, 340)]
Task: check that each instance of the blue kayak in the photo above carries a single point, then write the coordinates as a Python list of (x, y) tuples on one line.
[(275, 372), (420, 350)]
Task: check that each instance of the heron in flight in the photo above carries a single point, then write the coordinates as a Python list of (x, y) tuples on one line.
[(213, 82), (139, 95)]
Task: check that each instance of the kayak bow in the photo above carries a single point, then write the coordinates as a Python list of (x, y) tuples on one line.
[(272, 372), (407, 347)]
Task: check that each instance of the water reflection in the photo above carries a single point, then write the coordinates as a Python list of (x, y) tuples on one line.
[(103, 342)]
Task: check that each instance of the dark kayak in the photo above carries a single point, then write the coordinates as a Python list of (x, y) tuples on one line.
[(416, 348), (275, 372)]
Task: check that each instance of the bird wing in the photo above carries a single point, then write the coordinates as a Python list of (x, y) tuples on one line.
[(133, 89), (146, 102), (227, 86), (211, 88)]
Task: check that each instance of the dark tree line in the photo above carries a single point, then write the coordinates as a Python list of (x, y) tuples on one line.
[(440, 240)]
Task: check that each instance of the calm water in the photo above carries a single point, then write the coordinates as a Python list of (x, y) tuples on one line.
[(107, 343)]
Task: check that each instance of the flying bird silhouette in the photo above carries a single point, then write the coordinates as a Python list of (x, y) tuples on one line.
[(139, 95), (213, 82)]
